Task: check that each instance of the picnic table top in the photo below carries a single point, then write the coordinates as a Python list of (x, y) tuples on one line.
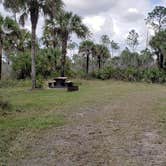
[(60, 78)]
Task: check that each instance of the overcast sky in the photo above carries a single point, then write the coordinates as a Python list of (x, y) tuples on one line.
[(112, 17), (115, 17)]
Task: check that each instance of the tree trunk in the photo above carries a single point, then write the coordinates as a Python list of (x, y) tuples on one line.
[(161, 61), (34, 13), (0, 60), (87, 64), (99, 62), (54, 40), (33, 58), (64, 52)]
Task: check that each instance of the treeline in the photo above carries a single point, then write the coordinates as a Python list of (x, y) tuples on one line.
[(47, 57)]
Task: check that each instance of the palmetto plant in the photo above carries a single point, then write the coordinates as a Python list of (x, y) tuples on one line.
[(33, 8), (65, 24), (9, 31)]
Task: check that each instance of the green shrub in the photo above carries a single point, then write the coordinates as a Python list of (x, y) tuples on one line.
[(55, 74), (14, 83), (152, 75), (39, 82), (105, 73), (70, 73), (80, 74)]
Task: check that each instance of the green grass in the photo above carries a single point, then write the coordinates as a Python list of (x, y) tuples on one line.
[(41, 109)]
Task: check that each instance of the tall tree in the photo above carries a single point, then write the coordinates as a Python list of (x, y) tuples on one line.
[(114, 46), (86, 48), (51, 38), (158, 43), (157, 18), (132, 39), (9, 30), (65, 24), (33, 8), (129, 59), (102, 53), (24, 41), (105, 40), (12, 7), (146, 58)]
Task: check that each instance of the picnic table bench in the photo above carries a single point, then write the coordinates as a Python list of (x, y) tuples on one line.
[(61, 82), (51, 84)]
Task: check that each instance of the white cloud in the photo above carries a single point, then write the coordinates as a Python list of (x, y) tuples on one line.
[(94, 23), (114, 18), (132, 10), (86, 7)]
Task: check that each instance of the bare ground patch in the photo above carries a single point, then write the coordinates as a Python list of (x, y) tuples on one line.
[(120, 133)]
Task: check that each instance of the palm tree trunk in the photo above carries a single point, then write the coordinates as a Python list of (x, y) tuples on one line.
[(33, 57), (99, 62), (54, 40), (87, 64), (64, 52), (34, 14), (0, 60), (161, 61)]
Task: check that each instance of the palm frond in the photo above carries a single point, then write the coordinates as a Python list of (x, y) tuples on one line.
[(51, 8), (23, 18)]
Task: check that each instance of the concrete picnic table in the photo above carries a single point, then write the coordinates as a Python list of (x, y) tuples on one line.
[(60, 81)]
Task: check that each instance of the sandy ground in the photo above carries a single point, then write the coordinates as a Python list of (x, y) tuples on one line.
[(123, 132)]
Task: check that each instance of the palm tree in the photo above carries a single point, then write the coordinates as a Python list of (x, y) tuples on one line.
[(102, 53), (33, 8), (9, 31), (86, 48), (105, 40), (114, 46), (65, 24), (24, 41), (12, 7), (146, 58), (51, 38)]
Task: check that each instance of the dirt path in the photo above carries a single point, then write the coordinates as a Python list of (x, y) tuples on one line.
[(124, 132)]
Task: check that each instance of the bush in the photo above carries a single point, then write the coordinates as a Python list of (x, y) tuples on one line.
[(152, 75), (70, 73), (105, 73), (14, 83), (39, 82)]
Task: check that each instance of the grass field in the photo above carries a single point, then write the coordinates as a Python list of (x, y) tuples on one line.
[(35, 113)]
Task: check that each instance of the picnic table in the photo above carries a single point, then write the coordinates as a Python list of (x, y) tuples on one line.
[(60, 82)]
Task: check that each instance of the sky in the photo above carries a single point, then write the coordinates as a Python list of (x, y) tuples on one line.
[(112, 17), (115, 17)]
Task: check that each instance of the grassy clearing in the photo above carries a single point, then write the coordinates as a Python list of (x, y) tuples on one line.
[(33, 111)]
